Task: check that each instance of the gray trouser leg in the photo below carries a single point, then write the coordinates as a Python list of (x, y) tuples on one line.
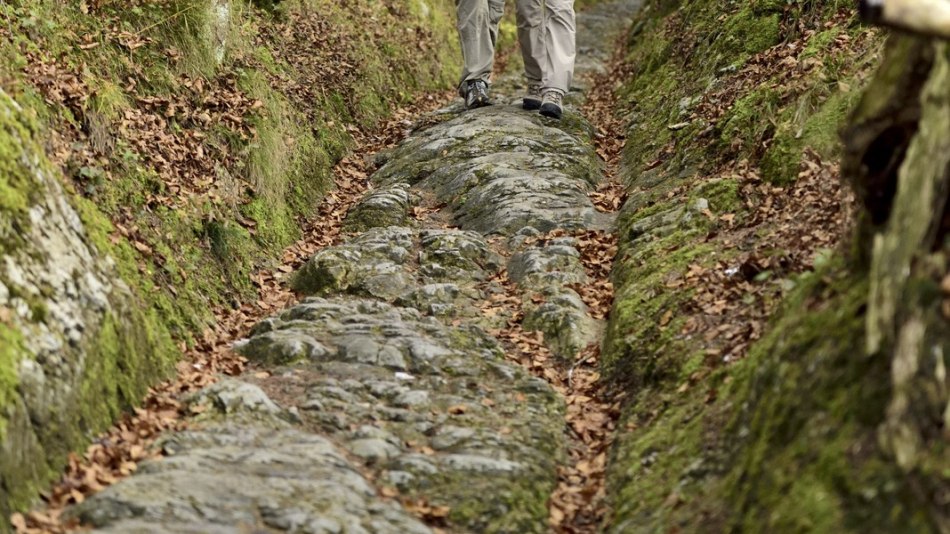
[(546, 31), (478, 32), (530, 15)]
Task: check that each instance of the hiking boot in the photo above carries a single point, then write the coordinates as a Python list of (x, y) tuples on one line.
[(551, 104), (476, 94), (532, 99)]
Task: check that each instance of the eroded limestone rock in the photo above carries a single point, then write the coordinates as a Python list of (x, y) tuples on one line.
[(421, 403), (247, 478), (386, 206)]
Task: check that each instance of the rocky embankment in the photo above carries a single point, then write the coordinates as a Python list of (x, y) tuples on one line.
[(75, 344), (383, 401)]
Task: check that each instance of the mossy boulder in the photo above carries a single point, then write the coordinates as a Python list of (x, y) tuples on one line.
[(78, 346)]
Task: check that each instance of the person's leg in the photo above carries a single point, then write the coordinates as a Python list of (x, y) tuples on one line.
[(496, 10), (478, 30), (557, 64), (530, 18), (559, 51)]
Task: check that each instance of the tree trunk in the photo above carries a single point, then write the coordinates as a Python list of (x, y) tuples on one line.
[(898, 159)]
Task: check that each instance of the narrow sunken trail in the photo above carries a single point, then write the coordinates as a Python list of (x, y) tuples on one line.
[(435, 369)]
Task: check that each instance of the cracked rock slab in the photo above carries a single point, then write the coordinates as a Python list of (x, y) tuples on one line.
[(435, 408), (435, 271), (500, 170), (229, 477)]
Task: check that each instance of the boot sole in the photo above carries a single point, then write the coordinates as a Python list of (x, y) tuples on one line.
[(480, 103), (550, 111)]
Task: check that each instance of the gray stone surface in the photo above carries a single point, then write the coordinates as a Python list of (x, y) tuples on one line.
[(234, 397), (499, 170), (247, 478), (564, 319), (404, 395), (544, 265), (386, 206), (438, 272)]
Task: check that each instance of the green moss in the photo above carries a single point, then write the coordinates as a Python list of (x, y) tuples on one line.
[(17, 185), (121, 359), (656, 475), (131, 350), (20, 480), (788, 446), (692, 364), (661, 240), (750, 120), (782, 161), (130, 185), (181, 314), (656, 97), (722, 194), (288, 163), (812, 126), (785, 440), (766, 7), (11, 351), (822, 129), (232, 246), (17, 189), (523, 503), (809, 406), (818, 45), (747, 33), (124, 357), (14, 198), (108, 99), (681, 53), (655, 53), (274, 223), (638, 348), (267, 60)]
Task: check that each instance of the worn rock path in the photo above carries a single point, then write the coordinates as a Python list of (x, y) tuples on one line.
[(406, 391)]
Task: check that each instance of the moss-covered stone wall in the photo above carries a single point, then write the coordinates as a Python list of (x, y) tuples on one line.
[(298, 76)]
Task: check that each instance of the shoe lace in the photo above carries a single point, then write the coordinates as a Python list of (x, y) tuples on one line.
[(554, 97)]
